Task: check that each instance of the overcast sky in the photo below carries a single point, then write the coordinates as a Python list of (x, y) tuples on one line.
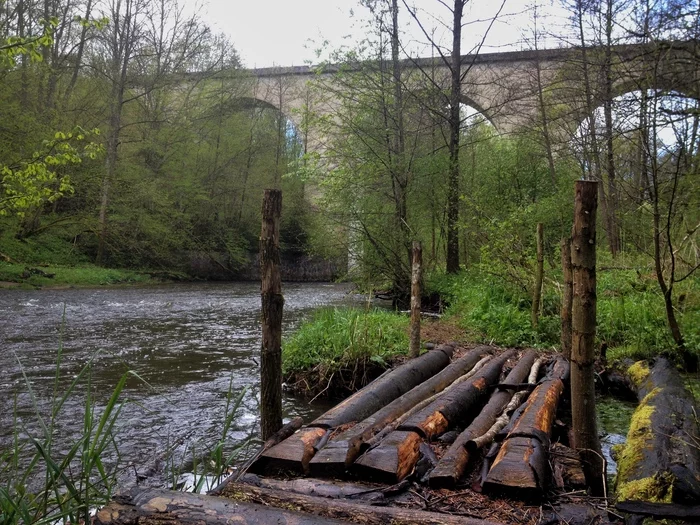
[(287, 32)]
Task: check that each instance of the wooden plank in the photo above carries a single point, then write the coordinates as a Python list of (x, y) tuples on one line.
[(671, 511), (392, 460), (352, 511), (340, 452), (386, 388), (454, 462), (291, 455)]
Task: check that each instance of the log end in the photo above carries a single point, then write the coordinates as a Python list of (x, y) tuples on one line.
[(392, 460)]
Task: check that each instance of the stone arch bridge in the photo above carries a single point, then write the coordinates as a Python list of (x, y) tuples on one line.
[(508, 88)]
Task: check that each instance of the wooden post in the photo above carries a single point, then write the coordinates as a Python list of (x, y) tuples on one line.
[(414, 347), (272, 304), (539, 274), (567, 297), (583, 262)]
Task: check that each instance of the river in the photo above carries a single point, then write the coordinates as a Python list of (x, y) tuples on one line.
[(189, 344)]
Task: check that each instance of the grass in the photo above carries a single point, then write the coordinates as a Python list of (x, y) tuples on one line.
[(32, 260), (340, 349), (86, 275)]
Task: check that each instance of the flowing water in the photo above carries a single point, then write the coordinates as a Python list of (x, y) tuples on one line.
[(190, 344)]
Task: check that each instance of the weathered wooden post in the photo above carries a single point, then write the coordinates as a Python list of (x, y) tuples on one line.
[(583, 262), (567, 297), (539, 275), (414, 347), (272, 304)]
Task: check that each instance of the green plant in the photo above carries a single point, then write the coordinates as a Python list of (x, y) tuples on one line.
[(209, 468), (340, 341), (41, 485)]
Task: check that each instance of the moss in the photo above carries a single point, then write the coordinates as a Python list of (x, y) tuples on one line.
[(638, 372), (656, 488)]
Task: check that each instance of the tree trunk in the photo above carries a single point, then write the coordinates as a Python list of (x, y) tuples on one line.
[(272, 305), (539, 275), (660, 461), (455, 122), (414, 348), (347, 510), (165, 507), (583, 261), (567, 297)]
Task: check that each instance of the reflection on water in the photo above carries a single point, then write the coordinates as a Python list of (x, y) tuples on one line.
[(187, 342)]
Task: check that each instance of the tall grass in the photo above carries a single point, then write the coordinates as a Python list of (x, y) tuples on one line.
[(343, 344), (71, 485)]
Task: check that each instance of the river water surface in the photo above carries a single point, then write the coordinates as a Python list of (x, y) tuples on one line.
[(188, 343)]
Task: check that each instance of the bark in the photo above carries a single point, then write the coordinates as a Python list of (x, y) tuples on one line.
[(385, 389), (454, 462), (539, 275), (272, 305), (521, 468), (661, 459), (341, 451), (583, 262), (415, 299), (351, 511), (159, 506), (567, 298)]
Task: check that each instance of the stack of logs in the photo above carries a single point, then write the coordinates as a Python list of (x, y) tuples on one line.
[(381, 433)]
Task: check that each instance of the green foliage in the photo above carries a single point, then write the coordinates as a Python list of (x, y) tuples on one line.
[(339, 339), (631, 318), (28, 184)]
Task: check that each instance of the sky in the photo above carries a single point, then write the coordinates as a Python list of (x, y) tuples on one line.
[(288, 32)]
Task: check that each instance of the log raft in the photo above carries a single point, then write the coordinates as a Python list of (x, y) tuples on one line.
[(387, 451)]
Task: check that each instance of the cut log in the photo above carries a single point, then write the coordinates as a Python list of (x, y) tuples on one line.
[(521, 468), (454, 462), (391, 461), (455, 406), (282, 434), (660, 462), (396, 455), (159, 506), (385, 389), (339, 509), (291, 455), (340, 452)]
